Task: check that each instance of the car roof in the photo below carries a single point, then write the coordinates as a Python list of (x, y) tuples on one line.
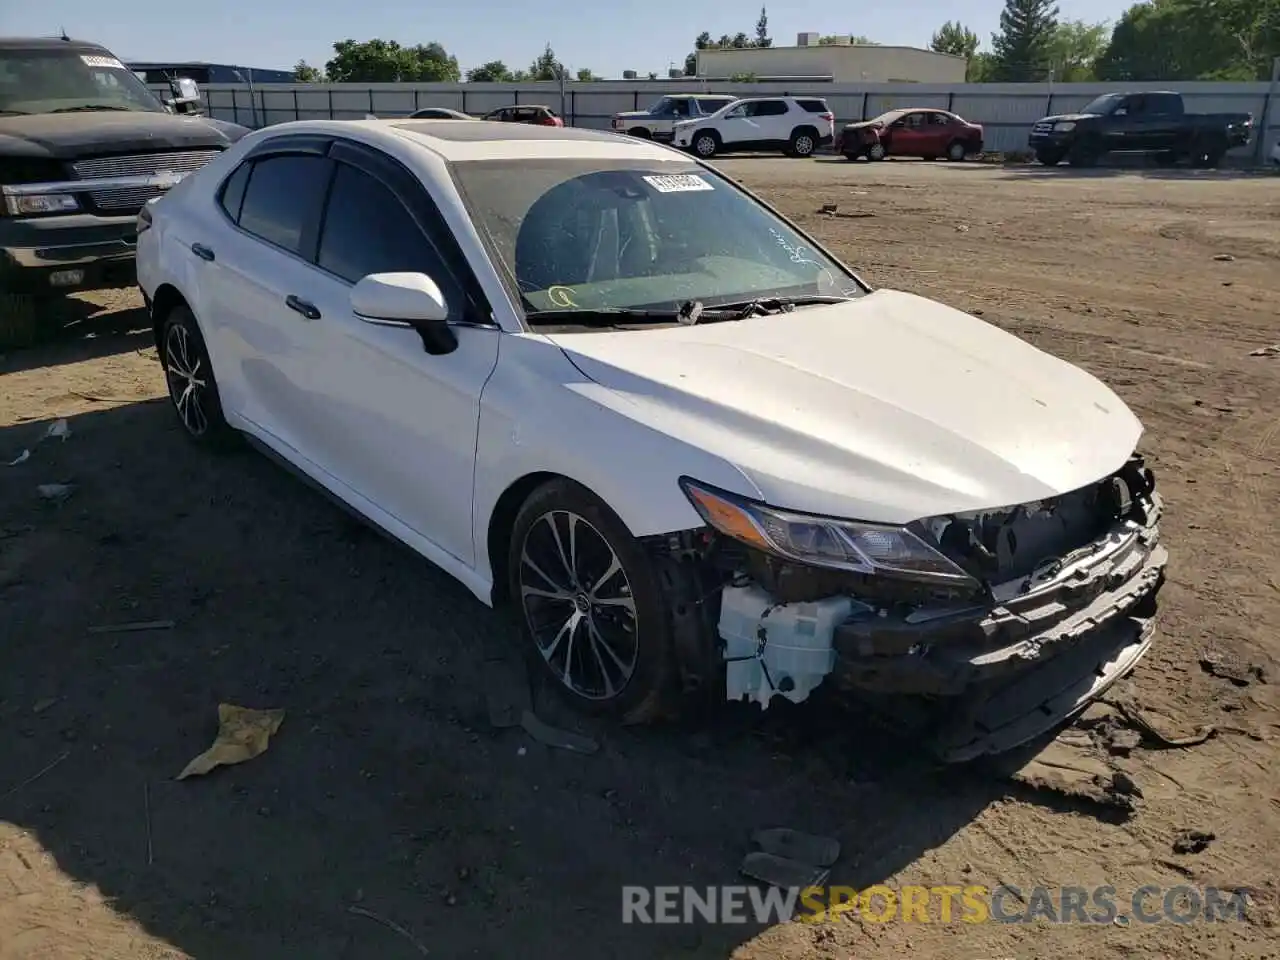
[(49, 43), (488, 140)]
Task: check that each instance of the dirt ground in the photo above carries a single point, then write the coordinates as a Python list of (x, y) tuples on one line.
[(387, 793)]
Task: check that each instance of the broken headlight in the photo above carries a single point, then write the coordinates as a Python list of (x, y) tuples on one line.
[(867, 548)]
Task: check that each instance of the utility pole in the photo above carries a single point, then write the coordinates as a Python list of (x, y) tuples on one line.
[(1268, 104)]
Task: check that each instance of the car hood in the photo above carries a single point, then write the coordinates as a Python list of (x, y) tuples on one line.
[(888, 408), (68, 136), (1064, 117), (634, 115), (862, 125)]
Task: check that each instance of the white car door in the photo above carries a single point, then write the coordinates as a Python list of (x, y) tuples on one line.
[(385, 419), (250, 264), (774, 122), (735, 126)]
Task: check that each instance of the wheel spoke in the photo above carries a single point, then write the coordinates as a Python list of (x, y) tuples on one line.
[(614, 567), (599, 641), (626, 603), (550, 520), (594, 642), (528, 562)]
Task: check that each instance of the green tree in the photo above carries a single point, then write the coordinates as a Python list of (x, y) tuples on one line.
[(702, 42), (495, 71), (981, 69), (546, 66), (1193, 40), (855, 39), (304, 72), (586, 75), (385, 61), (955, 38), (1074, 50), (740, 41), (762, 30), (1022, 47)]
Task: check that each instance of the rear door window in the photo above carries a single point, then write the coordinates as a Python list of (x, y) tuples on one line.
[(283, 197), (813, 106), (769, 108)]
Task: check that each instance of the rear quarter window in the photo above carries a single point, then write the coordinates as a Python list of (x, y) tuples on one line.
[(813, 106)]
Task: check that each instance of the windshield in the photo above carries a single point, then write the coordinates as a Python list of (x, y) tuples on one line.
[(590, 234), (659, 106), (52, 81), (1103, 104)]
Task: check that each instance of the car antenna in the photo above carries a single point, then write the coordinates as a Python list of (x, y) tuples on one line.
[(62, 31)]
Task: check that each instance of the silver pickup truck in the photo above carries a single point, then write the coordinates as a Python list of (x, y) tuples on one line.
[(656, 123)]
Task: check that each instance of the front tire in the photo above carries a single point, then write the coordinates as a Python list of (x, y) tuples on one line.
[(591, 609), (193, 390), (640, 133), (705, 144), (1049, 158), (956, 152), (877, 151)]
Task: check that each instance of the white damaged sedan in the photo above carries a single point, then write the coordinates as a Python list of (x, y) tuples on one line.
[(593, 378)]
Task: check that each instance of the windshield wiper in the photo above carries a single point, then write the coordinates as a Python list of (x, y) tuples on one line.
[(603, 316), (695, 312), (90, 107)]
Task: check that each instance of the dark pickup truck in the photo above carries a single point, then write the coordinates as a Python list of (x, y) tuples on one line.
[(1155, 123), (83, 145)]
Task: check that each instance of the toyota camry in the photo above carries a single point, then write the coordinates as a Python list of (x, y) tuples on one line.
[(596, 380)]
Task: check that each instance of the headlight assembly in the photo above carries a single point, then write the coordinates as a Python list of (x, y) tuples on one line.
[(867, 548), (1065, 126)]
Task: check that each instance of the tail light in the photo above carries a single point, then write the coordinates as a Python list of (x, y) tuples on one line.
[(829, 117), (548, 122)]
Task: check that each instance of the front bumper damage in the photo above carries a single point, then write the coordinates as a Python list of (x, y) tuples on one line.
[(994, 674)]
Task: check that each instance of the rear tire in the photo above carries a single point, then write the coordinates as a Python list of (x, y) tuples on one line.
[(193, 389), (802, 144), (590, 605)]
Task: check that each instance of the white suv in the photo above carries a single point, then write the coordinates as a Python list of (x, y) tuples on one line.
[(795, 125)]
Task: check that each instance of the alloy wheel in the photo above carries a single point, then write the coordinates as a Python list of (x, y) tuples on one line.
[(877, 152), (186, 372), (705, 145), (804, 145), (577, 601)]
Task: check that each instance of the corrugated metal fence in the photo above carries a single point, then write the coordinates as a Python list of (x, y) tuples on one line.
[(1005, 110)]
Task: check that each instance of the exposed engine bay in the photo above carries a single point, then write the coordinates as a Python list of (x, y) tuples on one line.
[(1058, 605)]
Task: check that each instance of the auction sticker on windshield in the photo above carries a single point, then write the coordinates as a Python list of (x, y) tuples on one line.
[(678, 183), (97, 61)]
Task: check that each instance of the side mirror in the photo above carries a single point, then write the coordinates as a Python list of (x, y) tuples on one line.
[(406, 300)]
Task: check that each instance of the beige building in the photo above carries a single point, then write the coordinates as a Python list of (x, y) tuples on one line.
[(837, 62)]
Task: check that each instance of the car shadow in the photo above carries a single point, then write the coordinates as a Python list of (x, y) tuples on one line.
[(1035, 171), (77, 330), (386, 794)]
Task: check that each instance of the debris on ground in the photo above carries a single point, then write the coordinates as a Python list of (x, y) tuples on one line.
[(794, 845), (243, 733), (41, 706), (833, 210), (55, 492), (1192, 841), (1223, 257), (506, 690), (134, 627), (551, 736), (1153, 735), (1271, 351), (789, 859), (1235, 671), (1079, 772), (390, 925), (782, 872)]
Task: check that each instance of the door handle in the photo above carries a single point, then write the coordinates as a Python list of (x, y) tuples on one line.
[(201, 251), (298, 305)]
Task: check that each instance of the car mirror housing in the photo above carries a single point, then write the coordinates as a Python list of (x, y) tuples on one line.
[(406, 300)]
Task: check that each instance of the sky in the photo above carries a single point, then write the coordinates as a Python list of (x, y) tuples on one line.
[(644, 37)]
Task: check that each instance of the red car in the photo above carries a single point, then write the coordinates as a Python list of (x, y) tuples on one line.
[(537, 114), (911, 132)]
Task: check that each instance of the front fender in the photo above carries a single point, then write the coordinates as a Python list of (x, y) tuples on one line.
[(540, 414)]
